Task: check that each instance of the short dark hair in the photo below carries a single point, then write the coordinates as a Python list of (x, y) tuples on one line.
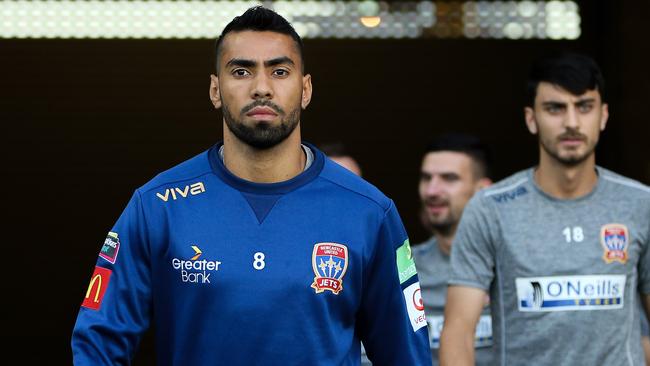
[(469, 145), (574, 72), (260, 19)]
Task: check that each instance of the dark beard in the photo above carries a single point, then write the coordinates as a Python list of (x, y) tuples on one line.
[(262, 136), (444, 229), (567, 161)]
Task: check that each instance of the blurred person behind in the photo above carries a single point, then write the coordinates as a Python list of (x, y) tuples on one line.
[(339, 154), (453, 168)]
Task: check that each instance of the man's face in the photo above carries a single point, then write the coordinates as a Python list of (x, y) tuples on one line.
[(568, 126), (260, 87), (447, 182)]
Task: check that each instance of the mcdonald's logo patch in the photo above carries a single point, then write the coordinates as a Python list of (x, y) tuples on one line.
[(97, 288)]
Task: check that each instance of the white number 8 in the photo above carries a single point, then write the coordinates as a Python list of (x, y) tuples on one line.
[(258, 262)]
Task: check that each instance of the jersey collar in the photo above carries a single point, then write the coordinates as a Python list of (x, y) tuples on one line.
[(287, 186)]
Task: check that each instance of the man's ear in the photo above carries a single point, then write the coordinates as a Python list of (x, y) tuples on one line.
[(215, 96), (306, 91), (482, 183), (604, 116), (529, 114)]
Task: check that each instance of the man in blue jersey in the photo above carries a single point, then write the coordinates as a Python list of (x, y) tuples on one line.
[(259, 251), (562, 248)]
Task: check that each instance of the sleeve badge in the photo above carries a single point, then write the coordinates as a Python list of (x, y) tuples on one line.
[(110, 248)]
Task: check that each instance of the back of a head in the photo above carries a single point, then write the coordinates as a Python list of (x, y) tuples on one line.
[(260, 19), (466, 144), (338, 153), (334, 149), (573, 72)]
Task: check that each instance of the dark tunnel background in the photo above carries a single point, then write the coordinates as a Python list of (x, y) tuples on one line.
[(88, 121)]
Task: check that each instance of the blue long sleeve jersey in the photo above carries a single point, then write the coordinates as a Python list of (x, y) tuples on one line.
[(232, 272)]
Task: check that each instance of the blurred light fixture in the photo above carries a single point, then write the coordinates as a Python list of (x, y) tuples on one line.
[(370, 22), (513, 20)]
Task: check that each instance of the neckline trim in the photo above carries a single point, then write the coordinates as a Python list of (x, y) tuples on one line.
[(309, 174), (596, 188)]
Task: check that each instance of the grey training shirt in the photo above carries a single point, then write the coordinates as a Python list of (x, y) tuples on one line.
[(433, 270), (563, 275)]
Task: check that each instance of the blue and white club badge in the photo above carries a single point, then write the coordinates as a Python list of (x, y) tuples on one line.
[(615, 239), (329, 261)]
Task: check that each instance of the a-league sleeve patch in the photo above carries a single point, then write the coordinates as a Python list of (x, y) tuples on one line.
[(97, 288), (415, 306), (111, 247), (405, 262)]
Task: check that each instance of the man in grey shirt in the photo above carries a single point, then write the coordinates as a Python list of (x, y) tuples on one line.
[(453, 168), (562, 248)]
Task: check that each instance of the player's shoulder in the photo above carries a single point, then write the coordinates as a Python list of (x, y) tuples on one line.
[(509, 189), (188, 172), (622, 184), (424, 248), (348, 183)]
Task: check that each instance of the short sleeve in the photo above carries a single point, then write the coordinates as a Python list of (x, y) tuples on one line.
[(644, 260), (473, 249)]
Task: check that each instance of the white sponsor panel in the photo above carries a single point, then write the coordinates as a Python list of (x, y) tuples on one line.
[(483, 335), (482, 338), (562, 293), (415, 306)]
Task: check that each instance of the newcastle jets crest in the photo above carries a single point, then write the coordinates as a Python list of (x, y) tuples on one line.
[(330, 261), (615, 239)]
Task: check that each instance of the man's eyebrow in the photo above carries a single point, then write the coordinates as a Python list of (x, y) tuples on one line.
[(279, 61), (585, 101), (241, 62), (554, 103)]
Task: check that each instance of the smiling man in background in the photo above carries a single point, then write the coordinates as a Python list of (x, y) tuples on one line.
[(454, 167)]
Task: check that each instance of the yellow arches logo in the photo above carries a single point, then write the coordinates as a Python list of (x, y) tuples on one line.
[(98, 283), (97, 278)]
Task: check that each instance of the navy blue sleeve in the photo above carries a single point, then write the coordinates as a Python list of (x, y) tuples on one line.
[(116, 308), (391, 323)]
